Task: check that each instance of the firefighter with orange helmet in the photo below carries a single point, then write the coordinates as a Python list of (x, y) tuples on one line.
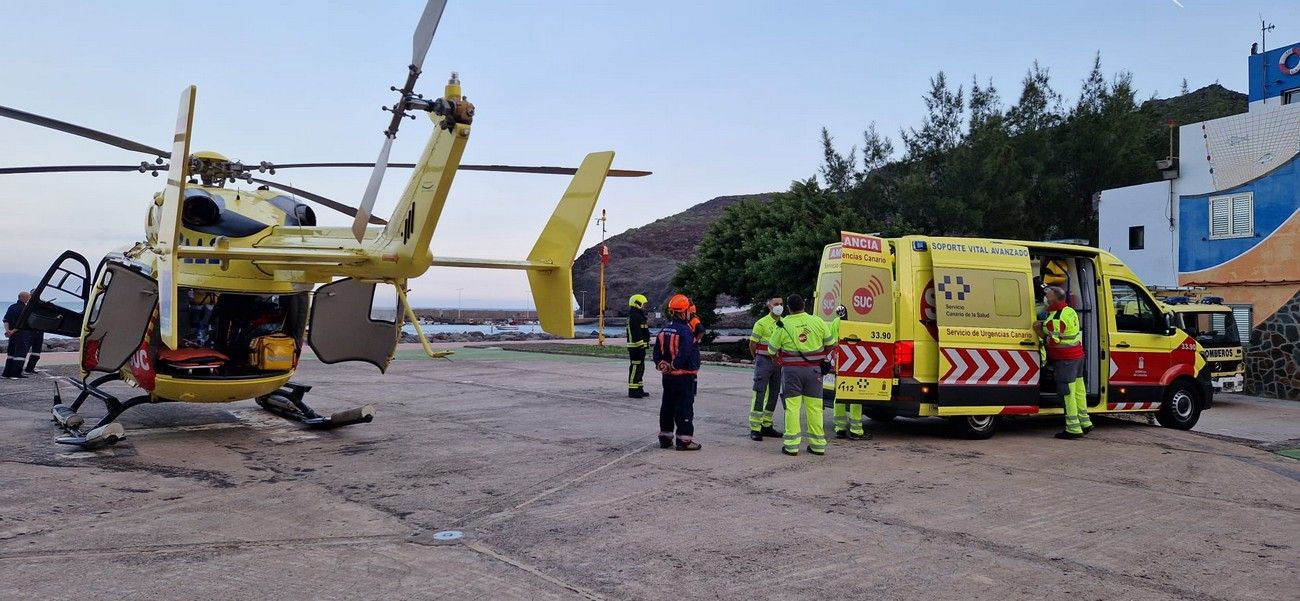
[(696, 325), (677, 357)]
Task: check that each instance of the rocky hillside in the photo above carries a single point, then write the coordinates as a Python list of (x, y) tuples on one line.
[(644, 259)]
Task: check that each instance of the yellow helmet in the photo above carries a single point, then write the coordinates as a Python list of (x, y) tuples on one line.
[(637, 301)]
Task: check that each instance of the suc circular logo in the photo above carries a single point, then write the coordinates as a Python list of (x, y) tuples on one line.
[(864, 301)]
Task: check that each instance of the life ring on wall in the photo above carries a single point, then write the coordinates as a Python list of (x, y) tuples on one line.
[(1281, 62)]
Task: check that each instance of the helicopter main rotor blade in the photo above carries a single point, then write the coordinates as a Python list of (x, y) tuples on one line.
[(84, 132), (372, 190), (424, 30), (74, 169), (546, 170), (318, 199), (169, 217)]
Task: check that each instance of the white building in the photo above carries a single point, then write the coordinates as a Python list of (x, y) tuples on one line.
[(1227, 219)]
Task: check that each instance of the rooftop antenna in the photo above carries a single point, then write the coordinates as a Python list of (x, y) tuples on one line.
[(1264, 28)]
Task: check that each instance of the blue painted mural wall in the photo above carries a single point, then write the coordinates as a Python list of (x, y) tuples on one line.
[(1277, 195)]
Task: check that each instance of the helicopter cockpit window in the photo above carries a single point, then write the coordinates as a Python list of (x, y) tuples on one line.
[(59, 301)]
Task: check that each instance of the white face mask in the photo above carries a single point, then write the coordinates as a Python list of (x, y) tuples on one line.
[(778, 310)]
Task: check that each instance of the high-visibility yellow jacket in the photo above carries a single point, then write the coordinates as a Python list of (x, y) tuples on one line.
[(762, 333), (800, 340), (1061, 330)]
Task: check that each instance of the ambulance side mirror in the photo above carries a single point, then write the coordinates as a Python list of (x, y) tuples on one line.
[(1170, 329)]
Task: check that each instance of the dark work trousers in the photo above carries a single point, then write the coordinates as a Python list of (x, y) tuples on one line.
[(636, 370), (678, 409), (17, 354), (35, 341)]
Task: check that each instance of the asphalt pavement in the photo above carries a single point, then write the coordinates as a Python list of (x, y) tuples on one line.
[(553, 481)]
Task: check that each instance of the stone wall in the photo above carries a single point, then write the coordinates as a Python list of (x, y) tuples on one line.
[(1273, 356)]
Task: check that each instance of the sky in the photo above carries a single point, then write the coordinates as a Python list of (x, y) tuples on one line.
[(715, 98)]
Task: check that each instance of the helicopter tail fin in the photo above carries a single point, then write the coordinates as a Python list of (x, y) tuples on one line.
[(558, 245)]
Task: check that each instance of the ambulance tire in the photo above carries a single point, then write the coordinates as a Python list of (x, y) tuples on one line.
[(880, 416), (975, 427), (1180, 409)]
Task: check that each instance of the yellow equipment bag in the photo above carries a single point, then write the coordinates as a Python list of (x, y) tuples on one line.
[(273, 352)]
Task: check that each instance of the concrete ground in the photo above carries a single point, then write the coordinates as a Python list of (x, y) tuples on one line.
[(555, 480)]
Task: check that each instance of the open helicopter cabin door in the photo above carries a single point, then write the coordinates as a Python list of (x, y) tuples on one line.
[(121, 309), (341, 327), (58, 304)]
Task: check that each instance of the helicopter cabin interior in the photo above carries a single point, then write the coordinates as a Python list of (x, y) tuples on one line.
[(226, 334)]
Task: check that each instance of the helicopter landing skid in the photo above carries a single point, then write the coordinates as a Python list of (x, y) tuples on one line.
[(105, 433), (287, 403)]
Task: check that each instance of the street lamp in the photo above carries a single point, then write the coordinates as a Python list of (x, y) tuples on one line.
[(458, 303)]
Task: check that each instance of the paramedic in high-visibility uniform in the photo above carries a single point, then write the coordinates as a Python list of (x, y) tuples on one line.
[(678, 357), (1064, 341), (848, 416), (799, 345), (767, 376), (638, 341)]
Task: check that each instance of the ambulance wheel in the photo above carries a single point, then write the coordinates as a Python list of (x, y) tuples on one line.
[(975, 427), (879, 416), (1180, 409)]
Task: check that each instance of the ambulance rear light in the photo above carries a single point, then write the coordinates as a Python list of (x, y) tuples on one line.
[(904, 354)]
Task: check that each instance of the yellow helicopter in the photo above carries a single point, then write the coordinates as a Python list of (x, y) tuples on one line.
[(215, 304)]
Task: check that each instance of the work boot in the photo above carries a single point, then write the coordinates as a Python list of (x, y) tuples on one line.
[(841, 434), (1087, 429), (859, 436), (665, 441), (756, 435), (1068, 435), (770, 431), (687, 446), (785, 451), (815, 452), (633, 393)]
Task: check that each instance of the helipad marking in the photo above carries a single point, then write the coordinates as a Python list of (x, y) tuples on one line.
[(88, 454)]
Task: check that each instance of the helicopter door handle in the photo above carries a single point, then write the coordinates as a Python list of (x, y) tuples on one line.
[(1122, 345)]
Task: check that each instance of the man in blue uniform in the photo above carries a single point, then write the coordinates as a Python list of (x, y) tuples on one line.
[(677, 357), (17, 338), (35, 342)]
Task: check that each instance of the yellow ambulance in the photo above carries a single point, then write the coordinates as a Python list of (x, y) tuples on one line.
[(943, 327)]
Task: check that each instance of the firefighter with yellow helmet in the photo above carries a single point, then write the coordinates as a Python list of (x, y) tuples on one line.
[(638, 340)]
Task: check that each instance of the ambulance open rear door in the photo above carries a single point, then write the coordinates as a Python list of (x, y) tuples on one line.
[(865, 352), (988, 352)]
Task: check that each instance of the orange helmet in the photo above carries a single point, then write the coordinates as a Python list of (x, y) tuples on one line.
[(679, 302)]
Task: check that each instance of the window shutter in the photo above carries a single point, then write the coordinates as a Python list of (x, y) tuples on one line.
[(1242, 315), (1243, 215), (1219, 217)]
